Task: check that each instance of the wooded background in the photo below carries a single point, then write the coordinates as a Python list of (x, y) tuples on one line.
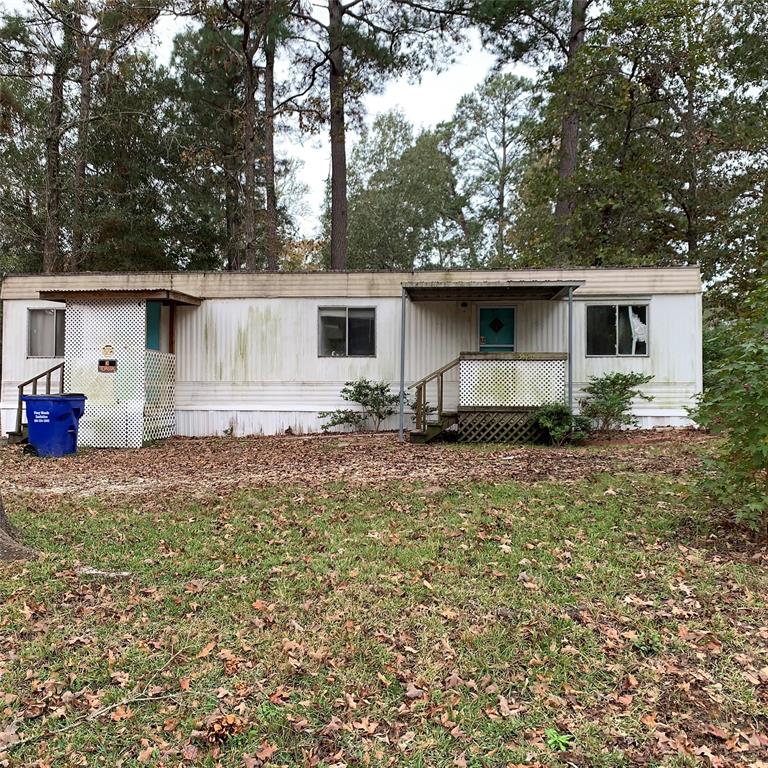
[(641, 139)]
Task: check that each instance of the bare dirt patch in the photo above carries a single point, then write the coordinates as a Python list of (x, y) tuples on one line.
[(201, 466)]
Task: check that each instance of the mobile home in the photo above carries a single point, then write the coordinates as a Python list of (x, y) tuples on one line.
[(211, 353)]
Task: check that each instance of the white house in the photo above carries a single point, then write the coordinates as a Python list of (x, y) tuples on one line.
[(211, 353)]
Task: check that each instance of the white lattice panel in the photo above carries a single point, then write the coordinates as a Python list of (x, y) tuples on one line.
[(510, 383), (114, 410), (159, 389)]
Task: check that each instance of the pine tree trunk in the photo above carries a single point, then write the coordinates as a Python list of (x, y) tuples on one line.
[(250, 82), (273, 245), (231, 206), (52, 237), (75, 257), (569, 131), (10, 547), (501, 194), (339, 258), (692, 204)]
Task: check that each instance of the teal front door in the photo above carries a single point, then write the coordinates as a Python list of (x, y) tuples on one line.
[(497, 329), (154, 313)]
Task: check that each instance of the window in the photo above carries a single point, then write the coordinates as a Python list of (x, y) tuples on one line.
[(617, 329), (45, 333), (347, 332)]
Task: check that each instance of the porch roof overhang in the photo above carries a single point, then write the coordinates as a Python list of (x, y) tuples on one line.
[(519, 290), (102, 294)]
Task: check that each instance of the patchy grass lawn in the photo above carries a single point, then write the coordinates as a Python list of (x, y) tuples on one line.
[(314, 617)]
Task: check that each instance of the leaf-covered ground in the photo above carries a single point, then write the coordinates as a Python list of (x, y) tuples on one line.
[(215, 465), (347, 601)]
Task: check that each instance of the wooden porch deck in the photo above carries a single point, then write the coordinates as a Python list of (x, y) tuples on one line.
[(497, 396)]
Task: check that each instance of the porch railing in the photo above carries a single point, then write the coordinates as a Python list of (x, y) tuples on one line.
[(493, 381), (421, 409), (34, 382)]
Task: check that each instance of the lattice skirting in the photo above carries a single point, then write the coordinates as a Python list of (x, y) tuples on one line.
[(492, 383), (505, 426), (159, 393)]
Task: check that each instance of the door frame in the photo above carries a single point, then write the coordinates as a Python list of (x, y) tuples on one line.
[(494, 305)]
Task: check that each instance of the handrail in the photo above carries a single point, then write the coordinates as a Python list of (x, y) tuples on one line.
[(515, 356), (420, 401), (447, 367), (527, 356), (33, 381)]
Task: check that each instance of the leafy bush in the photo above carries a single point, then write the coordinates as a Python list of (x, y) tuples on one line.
[(609, 399), (713, 351), (560, 424), (376, 401), (735, 404)]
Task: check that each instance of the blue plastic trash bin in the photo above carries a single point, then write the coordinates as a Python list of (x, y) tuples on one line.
[(52, 422)]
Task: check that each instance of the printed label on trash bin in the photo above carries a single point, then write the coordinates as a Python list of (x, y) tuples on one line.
[(41, 417)]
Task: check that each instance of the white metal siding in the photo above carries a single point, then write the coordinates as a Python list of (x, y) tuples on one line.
[(674, 359), (17, 367), (252, 364)]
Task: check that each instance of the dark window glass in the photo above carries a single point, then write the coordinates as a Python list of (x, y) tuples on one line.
[(633, 330), (59, 348), (333, 332), (362, 332), (617, 329), (601, 330), (347, 332)]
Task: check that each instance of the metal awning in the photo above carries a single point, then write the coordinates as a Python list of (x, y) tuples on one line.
[(520, 290), (140, 294)]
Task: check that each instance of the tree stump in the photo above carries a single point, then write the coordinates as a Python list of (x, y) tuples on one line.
[(10, 546)]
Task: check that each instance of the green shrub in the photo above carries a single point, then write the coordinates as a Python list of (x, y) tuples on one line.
[(343, 417), (735, 404), (609, 399), (560, 425), (376, 401)]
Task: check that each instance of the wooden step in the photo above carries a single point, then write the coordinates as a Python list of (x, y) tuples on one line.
[(434, 428)]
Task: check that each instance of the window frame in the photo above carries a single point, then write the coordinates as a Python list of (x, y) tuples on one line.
[(346, 354), (616, 304), (58, 312)]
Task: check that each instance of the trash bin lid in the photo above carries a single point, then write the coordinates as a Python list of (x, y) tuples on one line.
[(58, 396)]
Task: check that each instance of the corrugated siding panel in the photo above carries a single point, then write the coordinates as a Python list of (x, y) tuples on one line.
[(542, 326), (674, 326), (275, 340), (360, 284), (245, 423), (17, 367)]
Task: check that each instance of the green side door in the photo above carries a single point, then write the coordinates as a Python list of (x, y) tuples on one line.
[(497, 329), (154, 311)]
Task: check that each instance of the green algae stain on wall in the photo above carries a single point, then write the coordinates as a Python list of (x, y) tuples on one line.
[(252, 343), (494, 386)]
